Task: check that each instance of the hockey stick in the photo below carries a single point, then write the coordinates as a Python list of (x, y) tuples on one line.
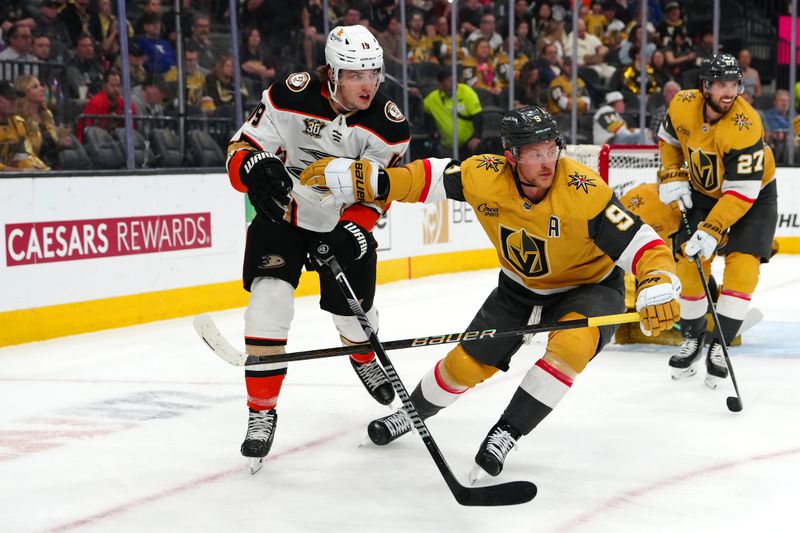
[(208, 331), (734, 402), (510, 493)]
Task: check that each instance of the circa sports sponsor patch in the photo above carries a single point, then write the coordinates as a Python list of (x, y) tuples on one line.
[(393, 112), (298, 81)]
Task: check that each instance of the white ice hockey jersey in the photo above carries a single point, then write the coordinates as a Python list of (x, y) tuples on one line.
[(295, 121)]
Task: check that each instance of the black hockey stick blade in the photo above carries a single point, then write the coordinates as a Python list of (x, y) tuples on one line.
[(511, 493)]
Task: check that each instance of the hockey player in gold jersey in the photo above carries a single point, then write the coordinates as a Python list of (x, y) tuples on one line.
[(716, 163), (563, 240)]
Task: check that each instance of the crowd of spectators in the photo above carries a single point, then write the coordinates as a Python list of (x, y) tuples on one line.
[(64, 60)]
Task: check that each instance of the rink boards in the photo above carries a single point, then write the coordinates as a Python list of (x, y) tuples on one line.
[(89, 253)]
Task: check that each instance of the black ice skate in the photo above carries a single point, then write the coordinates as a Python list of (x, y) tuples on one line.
[(682, 362), (258, 441), (494, 448), (384, 430), (716, 369), (375, 381)]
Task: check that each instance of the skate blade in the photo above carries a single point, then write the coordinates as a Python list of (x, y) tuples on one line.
[(366, 442), (713, 381), (477, 474), (255, 464), (682, 373)]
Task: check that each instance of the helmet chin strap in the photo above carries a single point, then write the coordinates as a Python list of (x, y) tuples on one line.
[(332, 88)]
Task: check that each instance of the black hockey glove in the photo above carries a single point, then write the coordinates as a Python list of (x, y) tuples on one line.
[(347, 242), (268, 184)]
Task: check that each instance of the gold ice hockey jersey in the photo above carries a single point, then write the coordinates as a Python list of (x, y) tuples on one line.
[(575, 235)]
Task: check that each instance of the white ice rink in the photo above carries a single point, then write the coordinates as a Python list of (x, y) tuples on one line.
[(138, 429)]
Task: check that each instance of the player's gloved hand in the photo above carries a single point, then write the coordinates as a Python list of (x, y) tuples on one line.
[(704, 241), (348, 242), (348, 180), (673, 185), (268, 184), (657, 301)]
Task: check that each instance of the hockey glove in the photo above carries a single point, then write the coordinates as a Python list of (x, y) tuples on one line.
[(268, 184), (704, 241), (348, 242), (657, 301), (348, 180), (674, 185)]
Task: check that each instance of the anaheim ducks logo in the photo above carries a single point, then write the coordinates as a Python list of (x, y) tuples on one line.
[(525, 252), (741, 121), (271, 261), (686, 96), (703, 167), (581, 181), (489, 162), (298, 81)]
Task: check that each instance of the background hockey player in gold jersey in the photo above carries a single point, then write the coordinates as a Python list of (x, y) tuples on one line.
[(715, 162), (563, 241)]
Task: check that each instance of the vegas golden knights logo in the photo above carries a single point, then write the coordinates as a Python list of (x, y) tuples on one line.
[(526, 253), (703, 166), (434, 223)]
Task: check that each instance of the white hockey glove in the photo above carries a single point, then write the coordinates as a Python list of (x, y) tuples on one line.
[(657, 301), (348, 180), (674, 191), (704, 241)]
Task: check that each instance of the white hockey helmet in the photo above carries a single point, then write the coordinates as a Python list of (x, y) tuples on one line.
[(353, 48)]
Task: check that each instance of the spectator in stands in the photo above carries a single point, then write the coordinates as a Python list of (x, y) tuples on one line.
[(159, 51), (150, 97), (482, 71), (661, 72), (520, 58), (668, 92), (378, 13), (201, 27), (523, 36), (194, 78), (418, 46), (672, 25), (634, 42), (595, 20), (187, 18), (469, 17), (311, 16), (104, 28), (442, 43), (611, 128), (219, 84), (529, 89), (392, 44), (615, 30), (777, 124), (543, 16), (84, 75), (41, 47), (107, 102), (559, 92), (554, 35), (151, 7), (75, 17), (39, 122), (352, 16), (257, 70), (438, 106), (15, 150), (705, 48), (549, 64), (591, 52), (136, 61), (49, 24), (20, 42), (628, 79), (523, 13), (750, 77), (680, 56), (487, 32)]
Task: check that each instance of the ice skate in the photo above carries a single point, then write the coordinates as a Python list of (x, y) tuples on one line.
[(389, 428), (258, 441), (716, 369), (375, 381), (494, 448), (682, 363)]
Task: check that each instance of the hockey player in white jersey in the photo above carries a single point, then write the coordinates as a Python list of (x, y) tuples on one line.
[(298, 121)]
